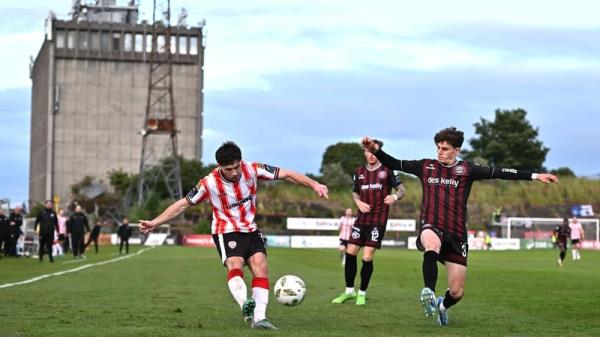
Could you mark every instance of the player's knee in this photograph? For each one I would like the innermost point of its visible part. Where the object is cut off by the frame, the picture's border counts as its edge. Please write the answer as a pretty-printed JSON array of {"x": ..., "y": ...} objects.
[{"x": 457, "y": 293}]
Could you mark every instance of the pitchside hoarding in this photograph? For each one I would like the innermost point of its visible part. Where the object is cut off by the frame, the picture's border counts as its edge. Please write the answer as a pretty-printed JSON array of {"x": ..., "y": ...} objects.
[{"x": 331, "y": 224}]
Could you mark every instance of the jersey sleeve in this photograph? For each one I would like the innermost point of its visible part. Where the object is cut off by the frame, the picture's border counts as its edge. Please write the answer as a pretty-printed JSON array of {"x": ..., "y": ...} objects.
[
  {"x": 266, "y": 172},
  {"x": 394, "y": 179},
  {"x": 355, "y": 185},
  {"x": 479, "y": 172},
  {"x": 408, "y": 166},
  {"x": 198, "y": 194}
]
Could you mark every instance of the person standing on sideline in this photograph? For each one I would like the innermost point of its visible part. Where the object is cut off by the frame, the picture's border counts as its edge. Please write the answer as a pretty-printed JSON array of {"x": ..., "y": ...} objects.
[
  {"x": 577, "y": 235},
  {"x": 15, "y": 221},
  {"x": 77, "y": 226},
  {"x": 562, "y": 234},
  {"x": 372, "y": 195},
  {"x": 446, "y": 183},
  {"x": 3, "y": 232},
  {"x": 124, "y": 232},
  {"x": 46, "y": 223},
  {"x": 94, "y": 236},
  {"x": 62, "y": 230},
  {"x": 231, "y": 191},
  {"x": 346, "y": 223}
]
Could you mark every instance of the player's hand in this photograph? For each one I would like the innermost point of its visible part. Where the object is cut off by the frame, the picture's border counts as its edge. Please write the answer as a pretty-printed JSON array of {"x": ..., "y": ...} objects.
[
  {"x": 363, "y": 206},
  {"x": 147, "y": 226},
  {"x": 390, "y": 199},
  {"x": 547, "y": 178},
  {"x": 321, "y": 190},
  {"x": 369, "y": 144}
]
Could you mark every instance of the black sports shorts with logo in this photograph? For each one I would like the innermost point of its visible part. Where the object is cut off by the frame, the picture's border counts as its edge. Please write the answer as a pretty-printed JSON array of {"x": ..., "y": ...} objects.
[
  {"x": 239, "y": 244},
  {"x": 367, "y": 235},
  {"x": 452, "y": 250}
]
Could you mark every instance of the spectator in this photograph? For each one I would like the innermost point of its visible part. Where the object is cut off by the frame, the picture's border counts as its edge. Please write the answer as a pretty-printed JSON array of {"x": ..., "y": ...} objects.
[
  {"x": 45, "y": 225},
  {"x": 94, "y": 236},
  {"x": 77, "y": 226},
  {"x": 15, "y": 222},
  {"x": 124, "y": 233},
  {"x": 62, "y": 230}
]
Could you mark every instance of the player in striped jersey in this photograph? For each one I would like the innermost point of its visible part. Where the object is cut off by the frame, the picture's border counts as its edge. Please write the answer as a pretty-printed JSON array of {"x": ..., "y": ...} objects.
[
  {"x": 446, "y": 183},
  {"x": 373, "y": 184},
  {"x": 346, "y": 223},
  {"x": 231, "y": 191}
]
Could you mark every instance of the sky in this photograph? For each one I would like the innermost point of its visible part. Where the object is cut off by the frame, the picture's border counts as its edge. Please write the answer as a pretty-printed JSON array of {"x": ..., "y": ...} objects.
[{"x": 285, "y": 79}]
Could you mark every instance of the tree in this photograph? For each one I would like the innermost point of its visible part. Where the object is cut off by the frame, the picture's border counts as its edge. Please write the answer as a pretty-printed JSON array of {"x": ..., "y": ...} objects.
[
  {"x": 563, "y": 172},
  {"x": 508, "y": 141},
  {"x": 348, "y": 155},
  {"x": 334, "y": 176}
]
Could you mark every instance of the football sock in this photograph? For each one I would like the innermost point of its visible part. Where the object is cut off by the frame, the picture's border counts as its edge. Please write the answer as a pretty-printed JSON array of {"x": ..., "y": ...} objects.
[
  {"x": 562, "y": 255},
  {"x": 260, "y": 294},
  {"x": 237, "y": 286},
  {"x": 349, "y": 290},
  {"x": 430, "y": 270},
  {"x": 574, "y": 253},
  {"x": 448, "y": 301},
  {"x": 365, "y": 274},
  {"x": 350, "y": 270},
  {"x": 362, "y": 293}
]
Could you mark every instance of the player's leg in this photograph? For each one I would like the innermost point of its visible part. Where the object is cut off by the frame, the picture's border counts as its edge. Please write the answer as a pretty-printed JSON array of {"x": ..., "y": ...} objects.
[
  {"x": 563, "y": 253},
  {"x": 366, "y": 271},
  {"x": 350, "y": 270},
  {"x": 342, "y": 250},
  {"x": 457, "y": 274},
  {"x": 430, "y": 242},
  {"x": 578, "y": 250},
  {"x": 260, "y": 291}
]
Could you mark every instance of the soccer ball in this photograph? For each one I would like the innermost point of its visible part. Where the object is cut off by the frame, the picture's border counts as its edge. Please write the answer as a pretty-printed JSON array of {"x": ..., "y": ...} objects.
[{"x": 289, "y": 290}]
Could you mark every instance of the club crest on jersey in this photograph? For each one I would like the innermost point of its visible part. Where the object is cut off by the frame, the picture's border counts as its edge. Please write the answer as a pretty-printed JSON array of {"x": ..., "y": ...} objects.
[
  {"x": 232, "y": 244},
  {"x": 459, "y": 170},
  {"x": 382, "y": 175},
  {"x": 430, "y": 167},
  {"x": 361, "y": 177}
]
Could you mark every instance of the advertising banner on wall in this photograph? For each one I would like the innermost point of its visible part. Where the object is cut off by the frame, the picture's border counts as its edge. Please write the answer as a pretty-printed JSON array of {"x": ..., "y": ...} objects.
[
  {"x": 314, "y": 241},
  {"x": 278, "y": 241},
  {"x": 198, "y": 240},
  {"x": 331, "y": 224}
]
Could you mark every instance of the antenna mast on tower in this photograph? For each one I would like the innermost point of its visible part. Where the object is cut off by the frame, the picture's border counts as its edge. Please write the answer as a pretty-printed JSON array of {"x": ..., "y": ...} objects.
[{"x": 159, "y": 162}]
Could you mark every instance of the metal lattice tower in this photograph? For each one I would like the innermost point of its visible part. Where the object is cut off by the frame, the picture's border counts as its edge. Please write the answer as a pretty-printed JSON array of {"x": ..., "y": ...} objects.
[{"x": 159, "y": 162}]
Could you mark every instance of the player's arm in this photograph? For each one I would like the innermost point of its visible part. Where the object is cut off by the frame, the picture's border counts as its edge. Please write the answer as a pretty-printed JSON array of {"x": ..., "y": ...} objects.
[
  {"x": 408, "y": 166},
  {"x": 171, "y": 212},
  {"x": 362, "y": 206},
  {"x": 485, "y": 172},
  {"x": 301, "y": 179},
  {"x": 392, "y": 198}
]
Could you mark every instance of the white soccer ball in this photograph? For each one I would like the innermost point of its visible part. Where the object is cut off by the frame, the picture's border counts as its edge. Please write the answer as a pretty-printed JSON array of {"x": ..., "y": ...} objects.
[{"x": 289, "y": 290}]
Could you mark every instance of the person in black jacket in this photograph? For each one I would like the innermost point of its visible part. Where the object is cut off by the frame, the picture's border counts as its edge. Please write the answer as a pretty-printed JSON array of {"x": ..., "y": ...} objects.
[
  {"x": 15, "y": 221},
  {"x": 124, "y": 232},
  {"x": 94, "y": 236},
  {"x": 3, "y": 231},
  {"x": 45, "y": 225},
  {"x": 77, "y": 226}
]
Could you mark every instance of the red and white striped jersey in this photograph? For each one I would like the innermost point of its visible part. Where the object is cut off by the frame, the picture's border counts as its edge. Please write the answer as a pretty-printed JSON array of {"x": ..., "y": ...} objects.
[
  {"x": 346, "y": 223},
  {"x": 233, "y": 204}
]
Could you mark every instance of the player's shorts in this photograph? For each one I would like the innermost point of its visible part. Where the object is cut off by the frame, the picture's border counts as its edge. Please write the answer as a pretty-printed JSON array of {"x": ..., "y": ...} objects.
[
  {"x": 367, "y": 235},
  {"x": 452, "y": 249},
  {"x": 562, "y": 244},
  {"x": 574, "y": 241},
  {"x": 343, "y": 242},
  {"x": 239, "y": 244}
]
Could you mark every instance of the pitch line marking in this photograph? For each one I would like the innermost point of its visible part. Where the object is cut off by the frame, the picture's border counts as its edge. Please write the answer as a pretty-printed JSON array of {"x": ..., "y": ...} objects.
[{"x": 59, "y": 273}]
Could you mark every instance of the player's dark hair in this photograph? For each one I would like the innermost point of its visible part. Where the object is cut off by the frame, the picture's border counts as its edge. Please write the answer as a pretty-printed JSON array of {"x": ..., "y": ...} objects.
[
  {"x": 452, "y": 135},
  {"x": 228, "y": 153},
  {"x": 378, "y": 142}
]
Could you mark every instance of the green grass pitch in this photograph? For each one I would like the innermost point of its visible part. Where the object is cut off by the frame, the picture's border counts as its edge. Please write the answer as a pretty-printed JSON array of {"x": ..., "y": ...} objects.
[{"x": 177, "y": 291}]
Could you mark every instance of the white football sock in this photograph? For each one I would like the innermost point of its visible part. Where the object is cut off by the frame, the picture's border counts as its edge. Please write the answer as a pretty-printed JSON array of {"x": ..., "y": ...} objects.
[
  {"x": 362, "y": 292},
  {"x": 349, "y": 290},
  {"x": 238, "y": 289},
  {"x": 261, "y": 297}
]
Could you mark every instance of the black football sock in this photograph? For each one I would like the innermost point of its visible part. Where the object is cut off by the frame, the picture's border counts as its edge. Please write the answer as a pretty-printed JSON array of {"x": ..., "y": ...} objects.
[
  {"x": 430, "y": 270},
  {"x": 562, "y": 255},
  {"x": 365, "y": 274},
  {"x": 449, "y": 300},
  {"x": 350, "y": 270}
]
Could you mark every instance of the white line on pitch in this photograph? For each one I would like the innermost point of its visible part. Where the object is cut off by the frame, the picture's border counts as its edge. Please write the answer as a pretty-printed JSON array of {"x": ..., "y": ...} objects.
[{"x": 41, "y": 277}]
